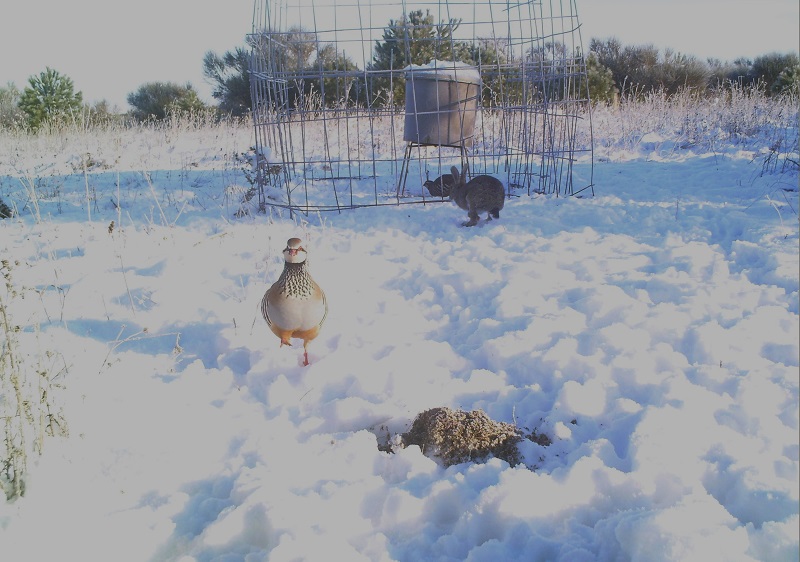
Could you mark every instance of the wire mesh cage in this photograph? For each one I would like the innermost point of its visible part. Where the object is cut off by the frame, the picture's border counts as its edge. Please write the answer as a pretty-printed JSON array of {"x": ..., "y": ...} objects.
[{"x": 361, "y": 103}]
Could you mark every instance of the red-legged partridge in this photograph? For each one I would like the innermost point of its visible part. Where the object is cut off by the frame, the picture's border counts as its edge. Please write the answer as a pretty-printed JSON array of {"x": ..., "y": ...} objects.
[{"x": 295, "y": 306}]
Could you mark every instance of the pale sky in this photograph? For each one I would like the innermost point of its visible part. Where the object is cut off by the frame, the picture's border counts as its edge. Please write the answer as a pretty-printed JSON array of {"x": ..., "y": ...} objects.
[{"x": 110, "y": 48}]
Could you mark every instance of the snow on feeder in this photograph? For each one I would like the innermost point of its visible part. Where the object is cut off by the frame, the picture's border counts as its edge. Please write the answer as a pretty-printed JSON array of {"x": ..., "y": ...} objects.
[{"x": 441, "y": 104}]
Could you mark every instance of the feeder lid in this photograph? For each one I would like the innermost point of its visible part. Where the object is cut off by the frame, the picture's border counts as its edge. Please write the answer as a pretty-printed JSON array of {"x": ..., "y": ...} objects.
[{"x": 444, "y": 70}]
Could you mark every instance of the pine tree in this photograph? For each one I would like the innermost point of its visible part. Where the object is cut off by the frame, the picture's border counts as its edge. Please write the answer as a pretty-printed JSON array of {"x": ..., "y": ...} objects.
[
  {"x": 231, "y": 79},
  {"x": 338, "y": 84},
  {"x": 308, "y": 73},
  {"x": 600, "y": 81},
  {"x": 49, "y": 96},
  {"x": 413, "y": 39}
]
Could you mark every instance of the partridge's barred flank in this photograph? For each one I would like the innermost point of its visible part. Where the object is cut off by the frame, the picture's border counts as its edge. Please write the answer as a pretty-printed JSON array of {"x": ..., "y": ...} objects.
[{"x": 295, "y": 306}]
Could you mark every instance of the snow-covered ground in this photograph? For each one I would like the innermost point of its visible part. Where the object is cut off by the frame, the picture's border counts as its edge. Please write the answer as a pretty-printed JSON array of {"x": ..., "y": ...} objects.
[{"x": 651, "y": 332}]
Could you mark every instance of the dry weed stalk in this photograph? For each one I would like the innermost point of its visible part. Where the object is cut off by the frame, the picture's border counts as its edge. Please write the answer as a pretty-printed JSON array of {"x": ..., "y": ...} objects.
[{"x": 27, "y": 404}]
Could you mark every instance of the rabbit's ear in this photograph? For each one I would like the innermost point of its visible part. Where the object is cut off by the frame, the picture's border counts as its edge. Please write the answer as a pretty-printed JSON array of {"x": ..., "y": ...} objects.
[{"x": 454, "y": 171}]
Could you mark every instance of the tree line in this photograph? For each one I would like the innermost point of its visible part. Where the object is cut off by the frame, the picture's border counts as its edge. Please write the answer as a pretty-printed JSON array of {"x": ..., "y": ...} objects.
[{"x": 318, "y": 74}]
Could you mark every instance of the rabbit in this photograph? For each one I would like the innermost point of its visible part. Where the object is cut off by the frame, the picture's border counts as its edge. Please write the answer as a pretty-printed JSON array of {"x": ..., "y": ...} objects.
[
  {"x": 481, "y": 194},
  {"x": 441, "y": 186}
]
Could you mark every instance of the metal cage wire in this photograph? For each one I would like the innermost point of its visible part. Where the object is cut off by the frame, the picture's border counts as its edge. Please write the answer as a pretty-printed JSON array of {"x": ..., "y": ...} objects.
[{"x": 341, "y": 90}]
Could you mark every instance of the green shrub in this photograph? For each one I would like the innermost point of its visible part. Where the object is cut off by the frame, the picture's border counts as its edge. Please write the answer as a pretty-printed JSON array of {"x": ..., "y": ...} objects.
[
  {"x": 156, "y": 100},
  {"x": 787, "y": 81},
  {"x": 775, "y": 70},
  {"x": 601, "y": 81},
  {"x": 49, "y": 96}
]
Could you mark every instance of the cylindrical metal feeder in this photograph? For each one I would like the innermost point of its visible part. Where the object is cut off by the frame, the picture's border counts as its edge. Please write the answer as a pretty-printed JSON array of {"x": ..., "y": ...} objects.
[{"x": 441, "y": 104}]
